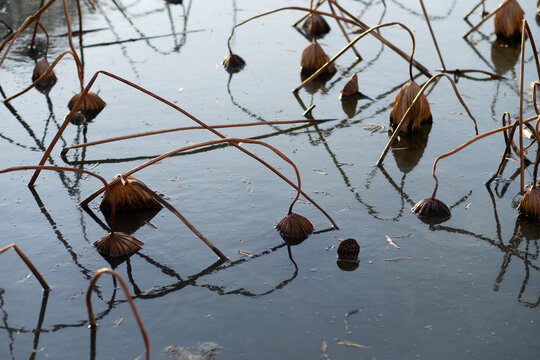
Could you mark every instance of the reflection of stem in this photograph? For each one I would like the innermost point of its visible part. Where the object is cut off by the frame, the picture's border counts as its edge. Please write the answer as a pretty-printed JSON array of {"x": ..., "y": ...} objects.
[
  {"x": 70, "y": 39},
  {"x": 344, "y": 32},
  {"x": 41, "y": 317},
  {"x": 350, "y": 44},
  {"x": 28, "y": 263},
  {"x": 128, "y": 296},
  {"x": 520, "y": 119},
  {"x": 36, "y": 26}
]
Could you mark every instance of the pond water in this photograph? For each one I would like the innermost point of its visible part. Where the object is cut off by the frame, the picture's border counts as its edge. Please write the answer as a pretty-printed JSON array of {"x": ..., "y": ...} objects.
[{"x": 468, "y": 288}]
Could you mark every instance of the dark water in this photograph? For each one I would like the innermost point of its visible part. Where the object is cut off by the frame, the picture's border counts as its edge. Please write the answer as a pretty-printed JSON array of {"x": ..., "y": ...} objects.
[{"x": 468, "y": 288}]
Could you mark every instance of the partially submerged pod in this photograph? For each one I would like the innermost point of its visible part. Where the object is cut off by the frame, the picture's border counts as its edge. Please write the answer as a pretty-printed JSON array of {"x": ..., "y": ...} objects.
[
  {"x": 316, "y": 26},
  {"x": 313, "y": 57},
  {"x": 127, "y": 195},
  {"x": 351, "y": 87},
  {"x": 507, "y": 21},
  {"x": 294, "y": 227},
  {"x": 41, "y": 68},
  {"x": 419, "y": 113},
  {"x": 91, "y": 104},
  {"x": 529, "y": 205},
  {"x": 233, "y": 63},
  {"x": 432, "y": 209},
  {"x": 118, "y": 244}
]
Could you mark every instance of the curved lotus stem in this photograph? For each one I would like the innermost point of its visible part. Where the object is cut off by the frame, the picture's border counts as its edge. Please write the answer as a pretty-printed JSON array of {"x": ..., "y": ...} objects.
[
  {"x": 79, "y": 100},
  {"x": 91, "y": 317},
  {"x": 474, "y": 28},
  {"x": 354, "y": 41},
  {"x": 473, "y": 140},
  {"x": 402, "y": 121},
  {"x": 70, "y": 38},
  {"x": 207, "y": 143},
  {"x": 62, "y": 168},
  {"x": 520, "y": 119},
  {"x": 308, "y": 10},
  {"x": 43, "y": 76},
  {"x": 28, "y": 263},
  {"x": 65, "y": 149}
]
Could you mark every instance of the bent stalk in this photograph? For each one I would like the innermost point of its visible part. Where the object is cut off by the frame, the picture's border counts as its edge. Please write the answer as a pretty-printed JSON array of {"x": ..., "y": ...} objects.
[{"x": 28, "y": 263}]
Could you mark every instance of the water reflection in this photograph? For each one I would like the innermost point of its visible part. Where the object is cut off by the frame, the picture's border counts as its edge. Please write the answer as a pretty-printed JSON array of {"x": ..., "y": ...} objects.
[
  {"x": 409, "y": 149},
  {"x": 522, "y": 246},
  {"x": 504, "y": 56}
]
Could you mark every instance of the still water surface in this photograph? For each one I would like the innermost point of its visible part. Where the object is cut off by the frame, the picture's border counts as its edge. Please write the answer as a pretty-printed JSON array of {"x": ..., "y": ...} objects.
[{"x": 468, "y": 288}]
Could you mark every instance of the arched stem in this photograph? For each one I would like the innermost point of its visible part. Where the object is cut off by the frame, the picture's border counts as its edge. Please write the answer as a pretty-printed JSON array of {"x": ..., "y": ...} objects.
[
  {"x": 354, "y": 41},
  {"x": 499, "y": 8},
  {"x": 208, "y": 143},
  {"x": 168, "y": 103},
  {"x": 473, "y": 140},
  {"x": 91, "y": 317},
  {"x": 28, "y": 263},
  {"x": 426, "y": 16},
  {"x": 402, "y": 121},
  {"x": 307, "y": 10}
]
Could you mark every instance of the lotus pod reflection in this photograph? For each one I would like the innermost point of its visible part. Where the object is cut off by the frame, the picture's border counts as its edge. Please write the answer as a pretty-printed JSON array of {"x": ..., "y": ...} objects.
[
  {"x": 294, "y": 227},
  {"x": 128, "y": 194},
  {"x": 418, "y": 114},
  {"x": 48, "y": 82},
  {"x": 91, "y": 104},
  {"x": 348, "y": 250},
  {"x": 316, "y": 26},
  {"x": 313, "y": 57},
  {"x": 118, "y": 244},
  {"x": 233, "y": 63},
  {"x": 350, "y": 88},
  {"x": 530, "y": 203},
  {"x": 432, "y": 209},
  {"x": 508, "y": 20}
]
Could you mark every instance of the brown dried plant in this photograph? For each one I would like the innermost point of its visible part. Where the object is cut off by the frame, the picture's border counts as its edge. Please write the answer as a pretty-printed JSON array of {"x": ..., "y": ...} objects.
[
  {"x": 168, "y": 103},
  {"x": 508, "y": 20},
  {"x": 314, "y": 57},
  {"x": 351, "y": 87},
  {"x": 419, "y": 113},
  {"x": 91, "y": 318}
]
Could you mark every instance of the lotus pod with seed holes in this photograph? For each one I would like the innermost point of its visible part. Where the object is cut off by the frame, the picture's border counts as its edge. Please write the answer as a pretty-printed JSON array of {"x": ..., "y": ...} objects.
[
  {"x": 294, "y": 227},
  {"x": 48, "y": 82},
  {"x": 432, "y": 209},
  {"x": 233, "y": 63},
  {"x": 118, "y": 244},
  {"x": 419, "y": 113},
  {"x": 315, "y": 25},
  {"x": 313, "y": 57},
  {"x": 128, "y": 194},
  {"x": 508, "y": 20},
  {"x": 529, "y": 204},
  {"x": 350, "y": 88},
  {"x": 348, "y": 250},
  {"x": 91, "y": 104}
]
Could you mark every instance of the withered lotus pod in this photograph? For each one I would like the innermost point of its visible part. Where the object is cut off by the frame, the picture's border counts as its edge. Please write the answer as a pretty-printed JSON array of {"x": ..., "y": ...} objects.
[
  {"x": 315, "y": 25},
  {"x": 233, "y": 63},
  {"x": 128, "y": 194},
  {"x": 432, "y": 209},
  {"x": 313, "y": 57},
  {"x": 508, "y": 20},
  {"x": 48, "y": 82},
  {"x": 419, "y": 113},
  {"x": 350, "y": 88},
  {"x": 529, "y": 204},
  {"x": 348, "y": 250},
  {"x": 294, "y": 227},
  {"x": 91, "y": 105},
  {"x": 117, "y": 244},
  {"x": 78, "y": 118}
]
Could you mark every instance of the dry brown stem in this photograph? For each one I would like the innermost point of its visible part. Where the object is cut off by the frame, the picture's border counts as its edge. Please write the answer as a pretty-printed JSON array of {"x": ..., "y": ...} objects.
[{"x": 28, "y": 263}]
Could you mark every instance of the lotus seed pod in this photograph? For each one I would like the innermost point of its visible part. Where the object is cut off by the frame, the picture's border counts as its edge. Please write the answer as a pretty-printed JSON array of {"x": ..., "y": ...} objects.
[
  {"x": 348, "y": 250},
  {"x": 313, "y": 57},
  {"x": 128, "y": 194},
  {"x": 432, "y": 209},
  {"x": 294, "y": 227},
  {"x": 419, "y": 113},
  {"x": 507, "y": 21},
  {"x": 316, "y": 26},
  {"x": 90, "y": 106},
  {"x": 529, "y": 204},
  {"x": 233, "y": 63},
  {"x": 118, "y": 244}
]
